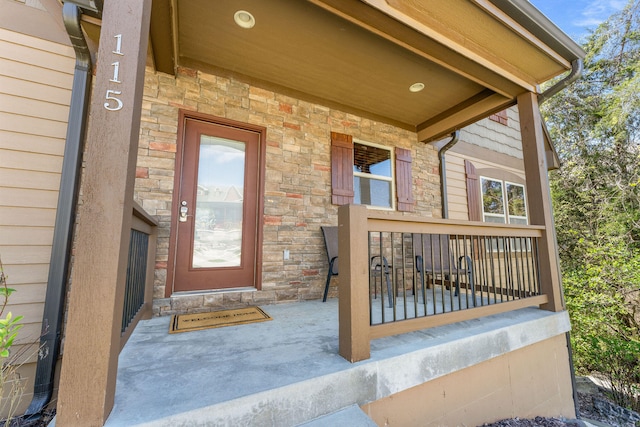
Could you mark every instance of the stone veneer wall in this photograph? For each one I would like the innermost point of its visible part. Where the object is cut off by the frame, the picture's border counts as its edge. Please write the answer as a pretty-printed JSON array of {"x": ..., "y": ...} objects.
[{"x": 298, "y": 178}]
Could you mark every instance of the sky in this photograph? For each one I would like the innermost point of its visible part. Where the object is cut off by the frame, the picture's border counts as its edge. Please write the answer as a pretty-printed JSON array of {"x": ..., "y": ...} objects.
[{"x": 576, "y": 17}]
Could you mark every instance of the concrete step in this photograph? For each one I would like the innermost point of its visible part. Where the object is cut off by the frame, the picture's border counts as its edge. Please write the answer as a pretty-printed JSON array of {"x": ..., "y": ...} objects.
[{"x": 351, "y": 416}]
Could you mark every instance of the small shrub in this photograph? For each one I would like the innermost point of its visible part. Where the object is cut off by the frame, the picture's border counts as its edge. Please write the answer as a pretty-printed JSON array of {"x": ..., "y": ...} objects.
[
  {"x": 11, "y": 385},
  {"x": 617, "y": 360}
]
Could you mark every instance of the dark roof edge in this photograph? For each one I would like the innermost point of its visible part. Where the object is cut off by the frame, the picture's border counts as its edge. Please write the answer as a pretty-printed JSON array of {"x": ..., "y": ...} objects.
[{"x": 525, "y": 14}]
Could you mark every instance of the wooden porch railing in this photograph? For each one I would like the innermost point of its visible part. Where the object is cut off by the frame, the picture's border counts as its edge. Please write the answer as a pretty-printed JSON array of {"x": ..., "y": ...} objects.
[
  {"x": 400, "y": 274},
  {"x": 140, "y": 272}
]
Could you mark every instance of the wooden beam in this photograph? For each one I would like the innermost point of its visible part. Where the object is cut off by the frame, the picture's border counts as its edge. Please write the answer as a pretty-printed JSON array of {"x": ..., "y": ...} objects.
[
  {"x": 353, "y": 287},
  {"x": 523, "y": 32},
  {"x": 466, "y": 112},
  {"x": 411, "y": 325},
  {"x": 92, "y": 340},
  {"x": 539, "y": 198},
  {"x": 175, "y": 34},
  {"x": 162, "y": 36},
  {"x": 444, "y": 226}
]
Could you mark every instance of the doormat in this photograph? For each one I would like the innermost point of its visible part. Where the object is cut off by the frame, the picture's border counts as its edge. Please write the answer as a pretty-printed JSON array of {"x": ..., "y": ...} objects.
[{"x": 216, "y": 319}]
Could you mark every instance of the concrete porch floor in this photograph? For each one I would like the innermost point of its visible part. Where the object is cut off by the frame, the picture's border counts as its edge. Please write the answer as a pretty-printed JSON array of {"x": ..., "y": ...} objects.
[{"x": 287, "y": 371}]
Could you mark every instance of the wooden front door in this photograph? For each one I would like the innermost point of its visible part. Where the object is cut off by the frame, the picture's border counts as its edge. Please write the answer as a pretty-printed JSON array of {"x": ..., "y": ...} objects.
[{"x": 216, "y": 230}]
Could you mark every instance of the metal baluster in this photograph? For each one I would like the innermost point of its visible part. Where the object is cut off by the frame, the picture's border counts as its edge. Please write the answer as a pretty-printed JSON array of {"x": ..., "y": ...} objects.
[
  {"x": 493, "y": 273},
  {"x": 372, "y": 285}
]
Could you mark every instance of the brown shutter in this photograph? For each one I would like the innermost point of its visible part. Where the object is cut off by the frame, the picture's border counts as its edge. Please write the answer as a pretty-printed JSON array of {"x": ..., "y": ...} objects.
[
  {"x": 473, "y": 192},
  {"x": 404, "y": 183},
  {"x": 500, "y": 117},
  {"x": 341, "y": 169}
]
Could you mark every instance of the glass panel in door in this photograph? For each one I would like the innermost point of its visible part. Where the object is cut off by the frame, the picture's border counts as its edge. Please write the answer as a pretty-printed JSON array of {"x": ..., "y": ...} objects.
[{"x": 219, "y": 203}]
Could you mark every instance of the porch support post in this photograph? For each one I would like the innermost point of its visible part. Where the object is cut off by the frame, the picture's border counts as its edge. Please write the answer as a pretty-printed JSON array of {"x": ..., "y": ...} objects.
[
  {"x": 94, "y": 318},
  {"x": 353, "y": 287},
  {"x": 539, "y": 198}
]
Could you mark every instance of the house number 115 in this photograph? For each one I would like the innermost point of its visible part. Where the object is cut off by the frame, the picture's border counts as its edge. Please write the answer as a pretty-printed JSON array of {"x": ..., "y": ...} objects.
[{"x": 113, "y": 102}]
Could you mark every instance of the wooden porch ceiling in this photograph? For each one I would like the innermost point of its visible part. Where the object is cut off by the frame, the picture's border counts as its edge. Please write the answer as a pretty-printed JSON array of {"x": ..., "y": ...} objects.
[{"x": 362, "y": 56}]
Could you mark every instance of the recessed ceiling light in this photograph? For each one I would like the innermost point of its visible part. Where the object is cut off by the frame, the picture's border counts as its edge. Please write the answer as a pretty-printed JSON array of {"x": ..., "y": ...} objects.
[
  {"x": 244, "y": 19},
  {"x": 416, "y": 87}
]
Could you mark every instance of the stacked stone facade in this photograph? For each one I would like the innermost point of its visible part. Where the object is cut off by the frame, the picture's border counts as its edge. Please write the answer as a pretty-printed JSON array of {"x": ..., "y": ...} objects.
[{"x": 297, "y": 199}]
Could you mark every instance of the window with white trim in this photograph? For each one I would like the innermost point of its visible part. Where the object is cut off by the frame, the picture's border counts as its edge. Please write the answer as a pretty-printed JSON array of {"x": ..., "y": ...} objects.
[
  {"x": 373, "y": 175},
  {"x": 370, "y": 174},
  {"x": 516, "y": 204},
  {"x": 503, "y": 202}
]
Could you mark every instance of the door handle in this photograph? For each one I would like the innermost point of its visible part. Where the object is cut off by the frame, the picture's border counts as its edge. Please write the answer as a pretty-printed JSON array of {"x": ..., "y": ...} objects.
[{"x": 183, "y": 211}]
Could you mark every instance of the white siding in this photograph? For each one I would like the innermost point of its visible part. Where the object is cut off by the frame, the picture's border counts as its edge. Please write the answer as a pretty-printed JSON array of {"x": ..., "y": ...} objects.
[
  {"x": 488, "y": 135},
  {"x": 495, "y": 136},
  {"x": 35, "y": 88}
]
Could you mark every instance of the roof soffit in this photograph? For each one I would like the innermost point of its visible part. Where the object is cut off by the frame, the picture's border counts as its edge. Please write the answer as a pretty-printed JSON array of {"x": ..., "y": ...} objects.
[
  {"x": 481, "y": 31},
  {"x": 359, "y": 57}
]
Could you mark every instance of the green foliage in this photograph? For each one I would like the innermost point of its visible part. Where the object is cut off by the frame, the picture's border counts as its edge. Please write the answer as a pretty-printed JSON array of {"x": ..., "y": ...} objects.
[
  {"x": 4, "y": 291},
  {"x": 11, "y": 384},
  {"x": 618, "y": 359},
  {"x": 595, "y": 125},
  {"x": 9, "y": 325},
  {"x": 9, "y": 328}
]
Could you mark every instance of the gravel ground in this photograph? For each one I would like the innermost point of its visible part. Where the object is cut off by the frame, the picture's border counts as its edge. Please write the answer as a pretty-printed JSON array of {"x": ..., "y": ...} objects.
[
  {"x": 44, "y": 421},
  {"x": 537, "y": 421},
  {"x": 585, "y": 406}
]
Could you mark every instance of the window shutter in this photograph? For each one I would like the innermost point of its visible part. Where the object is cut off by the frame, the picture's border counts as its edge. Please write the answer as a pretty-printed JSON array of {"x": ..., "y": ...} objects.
[
  {"x": 404, "y": 182},
  {"x": 341, "y": 169},
  {"x": 473, "y": 192},
  {"x": 500, "y": 117}
]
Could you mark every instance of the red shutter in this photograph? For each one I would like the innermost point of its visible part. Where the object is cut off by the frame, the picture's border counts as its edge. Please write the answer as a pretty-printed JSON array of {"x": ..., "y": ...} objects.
[
  {"x": 500, "y": 117},
  {"x": 341, "y": 169},
  {"x": 404, "y": 182},
  {"x": 473, "y": 192}
]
